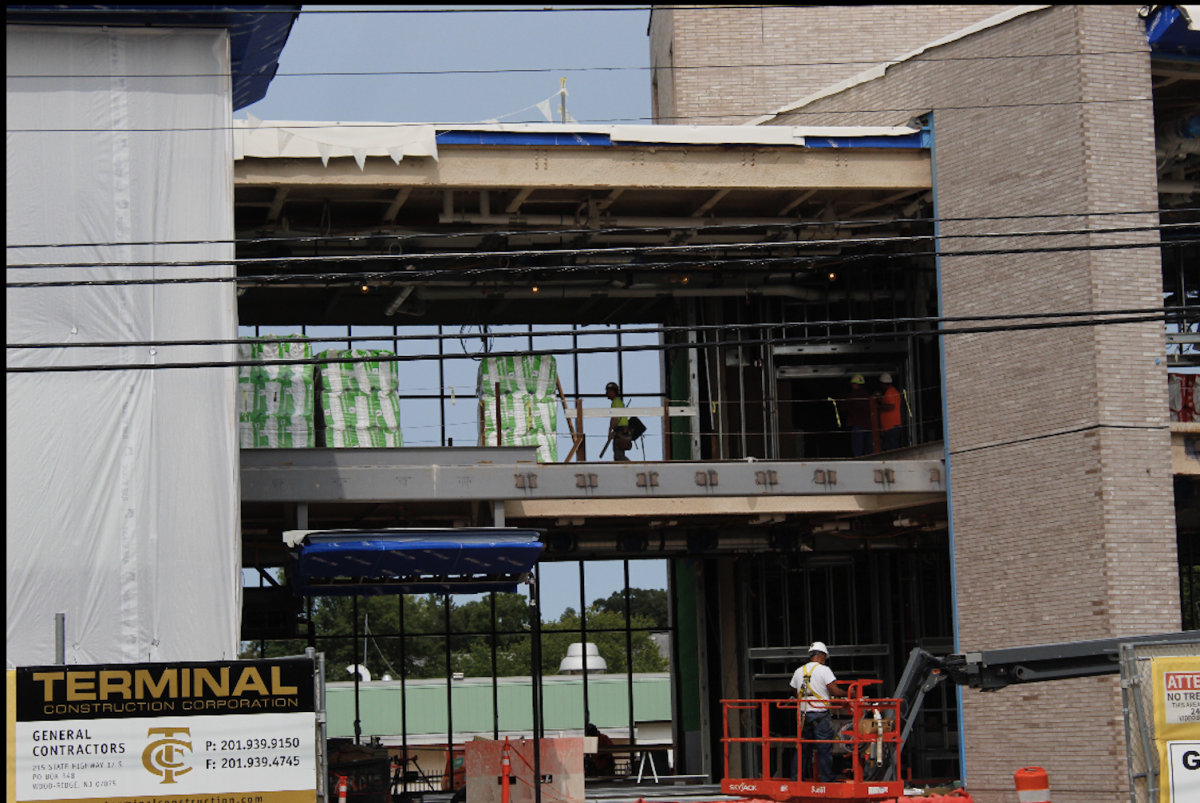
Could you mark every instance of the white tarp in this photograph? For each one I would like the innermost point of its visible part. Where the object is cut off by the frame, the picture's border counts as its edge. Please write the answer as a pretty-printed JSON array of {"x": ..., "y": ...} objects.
[
  {"x": 261, "y": 139},
  {"x": 123, "y": 494}
]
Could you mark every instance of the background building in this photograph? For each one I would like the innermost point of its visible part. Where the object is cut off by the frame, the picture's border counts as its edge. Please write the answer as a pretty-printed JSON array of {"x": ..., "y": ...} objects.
[
  {"x": 1058, "y": 445},
  {"x": 1041, "y": 494}
]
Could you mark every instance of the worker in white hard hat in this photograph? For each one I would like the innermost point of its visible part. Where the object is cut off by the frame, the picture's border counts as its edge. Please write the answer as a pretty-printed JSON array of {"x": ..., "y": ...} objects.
[
  {"x": 814, "y": 687},
  {"x": 889, "y": 413}
]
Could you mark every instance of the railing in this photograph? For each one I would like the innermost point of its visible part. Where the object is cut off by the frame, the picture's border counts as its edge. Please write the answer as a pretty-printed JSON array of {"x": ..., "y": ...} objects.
[{"x": 869, "y": 734}]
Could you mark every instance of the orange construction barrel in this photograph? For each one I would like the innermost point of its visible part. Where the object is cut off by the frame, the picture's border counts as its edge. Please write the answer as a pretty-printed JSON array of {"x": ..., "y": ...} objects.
[{"x": 1033, "y": 785}]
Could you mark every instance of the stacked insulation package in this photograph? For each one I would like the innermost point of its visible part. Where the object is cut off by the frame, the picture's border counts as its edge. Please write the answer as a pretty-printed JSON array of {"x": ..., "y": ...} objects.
[
  {"x": 275, "y": 402},
  {"x": 359, "y": 400},
  {"x": 528, "y": 407}
]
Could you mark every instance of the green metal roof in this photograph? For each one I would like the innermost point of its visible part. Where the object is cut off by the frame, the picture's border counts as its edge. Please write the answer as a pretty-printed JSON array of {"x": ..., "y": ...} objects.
[{"x": 381, "y": 710}]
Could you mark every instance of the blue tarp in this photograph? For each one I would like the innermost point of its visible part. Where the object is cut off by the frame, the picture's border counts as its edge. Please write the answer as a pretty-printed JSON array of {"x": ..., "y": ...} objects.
[
  {"x": 257, "y": 34},
  {"x": 346, "y": 563},
  {"x": 541, "y": 139},
  {"x": 1168, "y": 32}
]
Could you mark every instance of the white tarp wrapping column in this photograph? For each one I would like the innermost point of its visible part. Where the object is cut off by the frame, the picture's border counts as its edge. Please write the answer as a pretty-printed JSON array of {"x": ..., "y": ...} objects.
[{"x": 123, "y": 496}]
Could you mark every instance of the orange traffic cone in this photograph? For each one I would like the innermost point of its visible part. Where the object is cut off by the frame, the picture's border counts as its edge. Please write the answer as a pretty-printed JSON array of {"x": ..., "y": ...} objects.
[{"x": 1033, "y": 785}]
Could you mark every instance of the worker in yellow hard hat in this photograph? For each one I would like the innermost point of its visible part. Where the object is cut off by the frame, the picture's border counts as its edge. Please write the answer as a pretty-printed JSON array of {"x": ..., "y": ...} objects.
[
  {"x": 857, "y": 412},
  {"x": 618, "y": 426}
]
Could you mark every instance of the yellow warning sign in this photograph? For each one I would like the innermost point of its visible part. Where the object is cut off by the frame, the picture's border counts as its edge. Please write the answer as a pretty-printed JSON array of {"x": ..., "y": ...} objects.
[{"x": 1177, "y": 726}]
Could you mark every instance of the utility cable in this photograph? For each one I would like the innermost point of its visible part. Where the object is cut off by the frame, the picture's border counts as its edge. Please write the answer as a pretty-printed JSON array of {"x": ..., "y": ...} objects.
[
  {"x": 155, "y": 11},
  {"x": 408, "y": 277},
  {"x": 1175, "y": 311},
  {"x": 1161, "y": 316},
  {"x": 704, "y": 224},
  {"x": 866, "y": 63},
  {"x": 616, "y": 249},
  {"x": 658, "y": 120}
]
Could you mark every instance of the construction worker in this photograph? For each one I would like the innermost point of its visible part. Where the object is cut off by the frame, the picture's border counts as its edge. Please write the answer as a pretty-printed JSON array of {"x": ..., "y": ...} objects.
[
  {"x": 889, "y": 414},
  {"x": 618, "y": 426},
  {"x": 857, "y": 408},
  {"x": 813, "y": 683},
  {"x": 601, "y": 762}
]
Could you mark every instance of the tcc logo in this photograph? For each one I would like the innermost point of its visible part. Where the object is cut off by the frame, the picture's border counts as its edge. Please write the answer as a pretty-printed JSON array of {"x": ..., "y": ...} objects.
[{"x": 165, "y": 755}]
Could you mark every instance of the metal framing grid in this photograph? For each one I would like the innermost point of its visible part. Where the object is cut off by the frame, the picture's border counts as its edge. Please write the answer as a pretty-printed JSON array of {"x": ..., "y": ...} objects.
[
  {"x": 535, "y": 632},
  {"x": 452, "y": 399},
  {"x": 787, "y": 602}
]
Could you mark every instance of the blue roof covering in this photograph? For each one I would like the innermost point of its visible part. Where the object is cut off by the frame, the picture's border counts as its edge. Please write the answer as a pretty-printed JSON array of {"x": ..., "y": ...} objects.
[
  {"x": 257, "y": 34},
  {"x": 350, "y": 562},
  {"x": 1168, "y": 32},
  {"x": 919, "y": 139},
  {"x": 519, "y": 138}
]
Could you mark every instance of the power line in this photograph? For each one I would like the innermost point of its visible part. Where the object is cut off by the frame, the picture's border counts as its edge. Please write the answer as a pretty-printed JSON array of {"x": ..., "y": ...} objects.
[
  {"x": 1061, "y": 324},
  {"x": 556, "y": 70},
  {"x": 674, "y": 119},
  {"x": 701, "y": 223},
  {"x": 156, "y": 11},
  {"x": 605, "y": 250},
  {"x": 408, "y": 276},
  {"x": 625, "y": 330}
]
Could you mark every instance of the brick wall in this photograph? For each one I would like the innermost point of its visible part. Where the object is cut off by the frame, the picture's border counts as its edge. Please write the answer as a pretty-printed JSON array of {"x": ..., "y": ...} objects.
[
  {"x": 734, "y": 64},
  {"x": 1060, "y": 461}
]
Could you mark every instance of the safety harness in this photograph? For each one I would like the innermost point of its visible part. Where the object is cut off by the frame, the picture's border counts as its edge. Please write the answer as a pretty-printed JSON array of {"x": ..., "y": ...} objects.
[{"x": 806, "y": 689}]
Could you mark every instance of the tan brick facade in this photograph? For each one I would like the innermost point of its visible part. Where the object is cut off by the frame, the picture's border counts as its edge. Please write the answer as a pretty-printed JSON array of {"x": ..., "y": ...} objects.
[
  {"x": 1062, "y": 495},
  {"x": 733, "y": 64}
]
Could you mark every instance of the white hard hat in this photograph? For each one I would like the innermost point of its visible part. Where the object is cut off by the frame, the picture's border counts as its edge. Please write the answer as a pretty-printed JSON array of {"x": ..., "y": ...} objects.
[
  {"x": 885, "y": 378},
  {"x": 818, "y": 646}
]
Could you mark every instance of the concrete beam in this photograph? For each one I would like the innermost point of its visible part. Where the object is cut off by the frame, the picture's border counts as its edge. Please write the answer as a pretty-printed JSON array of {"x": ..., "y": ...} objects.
[
  {"x": 597, "y": 168},
  {"x": 515, "y": 204},
  {"x": 710, "y": 203},
  {"x": 394, "y": 207},
  {"x": 387, "y": 475},
  {"x": 273, "y": 213},
  {"x": 726, "y": 506}
]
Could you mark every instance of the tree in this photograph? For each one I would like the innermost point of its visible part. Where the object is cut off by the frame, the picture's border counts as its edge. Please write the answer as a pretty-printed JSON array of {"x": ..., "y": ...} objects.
[
  {"x": 424, "y": 650},
  {"x": 606, "y": 630},
  {"x": 648, "y": 603}
]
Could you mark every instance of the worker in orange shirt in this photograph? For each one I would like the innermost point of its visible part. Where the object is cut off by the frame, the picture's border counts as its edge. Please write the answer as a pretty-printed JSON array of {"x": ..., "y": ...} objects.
[{"x": 889, "y": 414}]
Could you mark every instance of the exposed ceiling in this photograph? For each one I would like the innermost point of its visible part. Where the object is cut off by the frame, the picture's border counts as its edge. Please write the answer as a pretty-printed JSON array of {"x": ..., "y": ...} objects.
[{"x": 472, "y": 234}]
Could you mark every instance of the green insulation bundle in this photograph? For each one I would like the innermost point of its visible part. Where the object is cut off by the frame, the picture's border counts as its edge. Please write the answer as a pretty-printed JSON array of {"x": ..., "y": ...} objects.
[
  {"x": 275, "y": 402},
  {"x": 358, "y": 377},
  {"x": 535, "y": 375},
  {"x": 528, "y": 407},
  {"x": 359, "y": 402}
]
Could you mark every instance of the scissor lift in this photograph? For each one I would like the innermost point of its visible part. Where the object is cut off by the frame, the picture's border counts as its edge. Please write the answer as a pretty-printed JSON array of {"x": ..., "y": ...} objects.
[{"x": 872, "y": 739}]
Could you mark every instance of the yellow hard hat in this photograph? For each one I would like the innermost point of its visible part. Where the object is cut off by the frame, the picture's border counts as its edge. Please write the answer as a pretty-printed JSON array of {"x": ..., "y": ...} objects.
[{"x": 857, "y": 379}]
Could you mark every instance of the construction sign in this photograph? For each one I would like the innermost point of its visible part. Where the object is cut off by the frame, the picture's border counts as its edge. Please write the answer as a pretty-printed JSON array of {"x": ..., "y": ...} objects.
[
  {"x": 156, "y": 733},
  {"x": 1177, "y": 726}
]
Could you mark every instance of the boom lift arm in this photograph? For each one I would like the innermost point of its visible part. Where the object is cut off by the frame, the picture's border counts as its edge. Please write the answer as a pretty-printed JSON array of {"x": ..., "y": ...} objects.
[{"x": 991, "y": 670}]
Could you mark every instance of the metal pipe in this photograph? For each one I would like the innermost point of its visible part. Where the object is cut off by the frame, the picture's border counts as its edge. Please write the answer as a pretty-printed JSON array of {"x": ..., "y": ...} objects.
[
  {"x": 495, "y": 673},
  {"x": 1178, "y": 187},
  {"x": 587, "y": 711},
  {"x": 404, "y": 693},
  {"x": 535, "y": 653},
  {"x": 357, "y": 673},
  {"x": 643, "y": 222},
  {"x": 523, "y": 293},
  {"x": 449, "y": 693},
  {"x": 60, "y": 639},
  {"x": 629, "y": 660}
]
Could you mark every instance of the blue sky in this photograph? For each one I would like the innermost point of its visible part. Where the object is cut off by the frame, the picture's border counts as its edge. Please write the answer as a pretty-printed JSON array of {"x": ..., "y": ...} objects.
[
  {"x": 552, "y": 44},
  {"x": 558, "y": 41}
]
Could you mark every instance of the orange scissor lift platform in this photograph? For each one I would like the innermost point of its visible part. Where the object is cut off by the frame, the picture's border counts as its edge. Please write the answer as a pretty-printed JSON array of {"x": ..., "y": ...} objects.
[{"x": 872, "y": 739}]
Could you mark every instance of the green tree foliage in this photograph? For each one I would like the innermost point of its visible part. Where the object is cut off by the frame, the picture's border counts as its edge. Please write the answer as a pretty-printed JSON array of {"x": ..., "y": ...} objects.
[
  {"x": 424, "y": 648},
  {"x": 648, "y": 603}
]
